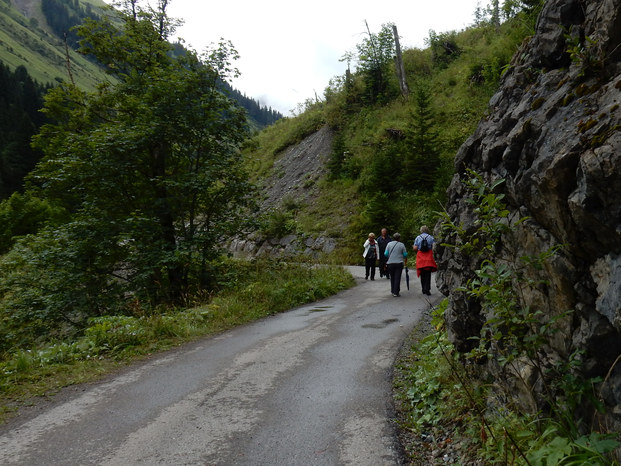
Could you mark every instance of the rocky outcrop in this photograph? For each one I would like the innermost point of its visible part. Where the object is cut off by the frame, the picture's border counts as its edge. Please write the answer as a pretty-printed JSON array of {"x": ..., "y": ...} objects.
[
  {"x": 553, "y": 133},
  {"x": 297, "y": 170},
  {"x": 293, "y": 181},
  {"x": 288, "y": 246}
]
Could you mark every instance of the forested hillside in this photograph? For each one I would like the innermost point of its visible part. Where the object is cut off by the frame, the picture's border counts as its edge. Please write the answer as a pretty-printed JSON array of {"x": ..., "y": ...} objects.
[{"x": 21, "y": 98}]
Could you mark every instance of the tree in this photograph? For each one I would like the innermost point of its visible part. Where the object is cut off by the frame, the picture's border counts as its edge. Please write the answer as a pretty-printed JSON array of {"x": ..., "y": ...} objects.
[
  {"x": 21, "y": 98},
  {"x": 151, "y": 163},
  {"x": 375, "y": 55},
  {"x": 423, "y": 155},
  {"x": 444, "y": 48}
]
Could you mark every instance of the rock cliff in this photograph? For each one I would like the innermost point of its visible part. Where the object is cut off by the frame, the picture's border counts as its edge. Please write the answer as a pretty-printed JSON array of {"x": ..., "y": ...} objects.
[
  {"x": 294, "y": 177},
  {"x": 553, "y": 133}
]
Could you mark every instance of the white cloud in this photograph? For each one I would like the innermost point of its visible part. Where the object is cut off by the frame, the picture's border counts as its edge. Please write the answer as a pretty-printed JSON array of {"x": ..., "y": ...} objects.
[{"x": 290, "y": 50}]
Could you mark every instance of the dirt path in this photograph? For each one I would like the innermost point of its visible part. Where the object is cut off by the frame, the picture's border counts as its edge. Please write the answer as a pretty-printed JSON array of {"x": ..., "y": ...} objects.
[{"x": 311, "y": 386}]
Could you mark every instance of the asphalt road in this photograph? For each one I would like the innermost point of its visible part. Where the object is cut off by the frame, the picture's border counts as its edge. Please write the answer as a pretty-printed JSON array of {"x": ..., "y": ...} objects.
[{"x": 308, "y": 387}]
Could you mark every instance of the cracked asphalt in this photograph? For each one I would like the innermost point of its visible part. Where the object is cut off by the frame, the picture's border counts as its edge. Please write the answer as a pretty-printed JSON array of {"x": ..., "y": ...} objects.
[{"x": 311, "y": 386}]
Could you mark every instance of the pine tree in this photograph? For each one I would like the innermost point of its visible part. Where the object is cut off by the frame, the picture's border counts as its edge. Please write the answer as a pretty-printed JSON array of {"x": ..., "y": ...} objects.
[{"x": 423, "y": 155}]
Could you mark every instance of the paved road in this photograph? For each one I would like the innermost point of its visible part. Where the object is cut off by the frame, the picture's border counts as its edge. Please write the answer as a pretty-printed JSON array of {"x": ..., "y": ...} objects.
[{"x": 308, "y": 387}]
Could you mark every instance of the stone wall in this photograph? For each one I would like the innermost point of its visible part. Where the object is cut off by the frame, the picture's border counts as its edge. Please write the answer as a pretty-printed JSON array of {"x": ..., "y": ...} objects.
[{"x": 553, "y": 133}]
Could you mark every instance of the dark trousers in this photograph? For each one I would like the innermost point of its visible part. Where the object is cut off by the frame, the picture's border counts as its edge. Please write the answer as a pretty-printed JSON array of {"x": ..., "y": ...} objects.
[
  {"x": 382, "y": 265},
  {"x": 369, "y": 266},
  {"x": 425, "y": 281},
  {"x": 395, "y": 271}
]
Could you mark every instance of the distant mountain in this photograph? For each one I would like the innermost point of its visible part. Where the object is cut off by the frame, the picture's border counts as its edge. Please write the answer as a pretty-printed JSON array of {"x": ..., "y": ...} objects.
[
  {"x": 27, "y": 39},
  {"x": 32, "y": 34}
]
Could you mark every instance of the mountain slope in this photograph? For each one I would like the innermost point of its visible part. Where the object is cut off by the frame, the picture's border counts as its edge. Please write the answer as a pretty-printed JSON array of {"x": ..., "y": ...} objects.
[
  {"x": 28, "y": 40},
  {"x": 25, "y": 41}
]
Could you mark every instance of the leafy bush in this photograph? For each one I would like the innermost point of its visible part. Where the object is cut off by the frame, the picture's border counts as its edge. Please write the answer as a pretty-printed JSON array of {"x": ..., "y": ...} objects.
[
  {"x": 278, "y": 223},
  {"x": 23, "y": 214}
]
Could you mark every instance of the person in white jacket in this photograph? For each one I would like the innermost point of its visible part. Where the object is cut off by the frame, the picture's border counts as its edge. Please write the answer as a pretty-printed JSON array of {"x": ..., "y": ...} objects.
[{"x": 370, "y": 254}]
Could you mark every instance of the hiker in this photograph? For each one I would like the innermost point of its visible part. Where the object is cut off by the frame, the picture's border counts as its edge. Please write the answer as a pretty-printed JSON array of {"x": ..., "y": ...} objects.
[
  {"x": 370, "y": 254},
  {"x": 383, "y": 241},
  {"x": 425, "y": 264},
  {"x": 396, "y": 259}
]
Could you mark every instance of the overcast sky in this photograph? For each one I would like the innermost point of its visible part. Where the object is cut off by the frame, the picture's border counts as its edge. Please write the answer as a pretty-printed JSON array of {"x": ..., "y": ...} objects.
[{"x": 291, "y": 49}]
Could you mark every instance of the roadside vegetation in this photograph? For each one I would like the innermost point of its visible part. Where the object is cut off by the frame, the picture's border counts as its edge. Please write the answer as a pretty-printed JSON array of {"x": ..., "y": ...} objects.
[{"x": 244, "y": 291}]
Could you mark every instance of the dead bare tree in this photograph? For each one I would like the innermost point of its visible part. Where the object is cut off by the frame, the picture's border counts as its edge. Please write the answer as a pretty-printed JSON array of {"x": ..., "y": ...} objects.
[{"x": 405, "y": 90}]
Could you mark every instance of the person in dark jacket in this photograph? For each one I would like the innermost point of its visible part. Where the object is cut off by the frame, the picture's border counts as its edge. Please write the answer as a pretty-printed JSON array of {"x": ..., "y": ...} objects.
[{"x": 383, "y": 241}]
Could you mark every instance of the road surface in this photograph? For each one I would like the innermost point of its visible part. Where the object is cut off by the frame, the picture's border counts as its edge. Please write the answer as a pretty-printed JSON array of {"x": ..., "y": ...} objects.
[{"x": 311, "y": 386}]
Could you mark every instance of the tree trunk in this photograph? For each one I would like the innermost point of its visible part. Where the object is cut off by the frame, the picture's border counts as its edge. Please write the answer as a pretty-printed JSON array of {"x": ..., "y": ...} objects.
[
  {"x": 164, "y": 214},
  {"x": 405, "y": 91}
]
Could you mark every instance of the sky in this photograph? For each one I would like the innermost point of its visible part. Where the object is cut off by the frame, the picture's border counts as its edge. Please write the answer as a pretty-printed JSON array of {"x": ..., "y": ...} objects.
[{"x": 289, "y": 50}]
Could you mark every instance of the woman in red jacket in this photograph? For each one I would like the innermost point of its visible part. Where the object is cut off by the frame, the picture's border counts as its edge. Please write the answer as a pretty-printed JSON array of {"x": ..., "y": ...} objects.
[{"x": 425, "y": 264}]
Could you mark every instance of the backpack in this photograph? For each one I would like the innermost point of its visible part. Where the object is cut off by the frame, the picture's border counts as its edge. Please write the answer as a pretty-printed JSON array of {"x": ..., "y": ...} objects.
[{"x": 424, "y": 245}]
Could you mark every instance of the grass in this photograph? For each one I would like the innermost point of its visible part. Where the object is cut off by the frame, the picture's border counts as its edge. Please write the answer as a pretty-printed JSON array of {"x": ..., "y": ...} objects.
[
  {"x": 255, "y": 290},
  {"x": 42, "y": 54}
]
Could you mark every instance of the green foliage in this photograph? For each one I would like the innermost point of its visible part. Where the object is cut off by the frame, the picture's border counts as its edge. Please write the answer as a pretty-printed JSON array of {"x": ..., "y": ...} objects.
[
  {"x": 278, "y": 223},
  {"x": 22, "y": 214},
  {"x": 551, "y": 449},
  {"x": 151, "y": 163},
  {"x": 585, "y": 53},
  {"x": 375, "y": 55},
  {"x": 422, "y": 160},
  {"x": 430, "y": 387},
  {"x": 20, "y": 100},
  {"x": 444, "y": 48},
  {"x": 439, "y": 397},
  {"x": 52, "y": 282}
]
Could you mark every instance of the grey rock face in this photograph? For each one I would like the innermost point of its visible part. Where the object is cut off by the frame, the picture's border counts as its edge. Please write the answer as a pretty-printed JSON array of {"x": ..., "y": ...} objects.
[
  {"x": 295, "y": 173},
  {"x": 553, "y": 132}
]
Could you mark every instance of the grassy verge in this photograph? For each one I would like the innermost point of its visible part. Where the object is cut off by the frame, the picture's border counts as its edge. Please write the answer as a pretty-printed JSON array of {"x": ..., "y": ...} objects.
[{"x": 251, "y": 291}]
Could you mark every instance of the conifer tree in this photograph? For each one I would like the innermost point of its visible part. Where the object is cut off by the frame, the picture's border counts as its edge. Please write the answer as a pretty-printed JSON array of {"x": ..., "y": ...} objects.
[
  {"x": 422, "y": 155},
  {"x": 375, "y": 55}
]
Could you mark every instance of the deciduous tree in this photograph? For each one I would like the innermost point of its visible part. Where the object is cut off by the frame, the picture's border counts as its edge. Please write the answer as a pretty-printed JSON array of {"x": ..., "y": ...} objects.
[{"x": 154, "y": 158}]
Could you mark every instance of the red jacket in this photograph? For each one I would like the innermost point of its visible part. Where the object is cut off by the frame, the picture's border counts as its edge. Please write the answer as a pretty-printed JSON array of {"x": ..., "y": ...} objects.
[{"x": 425, "y": 261}]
